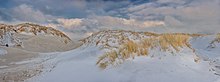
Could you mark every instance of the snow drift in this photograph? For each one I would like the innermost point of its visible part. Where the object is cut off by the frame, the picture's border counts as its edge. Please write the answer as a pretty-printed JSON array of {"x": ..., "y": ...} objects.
[{"x": 169, "y": 57}]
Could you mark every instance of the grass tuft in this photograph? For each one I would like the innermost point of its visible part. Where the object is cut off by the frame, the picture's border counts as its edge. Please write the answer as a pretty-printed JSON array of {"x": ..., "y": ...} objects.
[{"x": 130, "y": 49}]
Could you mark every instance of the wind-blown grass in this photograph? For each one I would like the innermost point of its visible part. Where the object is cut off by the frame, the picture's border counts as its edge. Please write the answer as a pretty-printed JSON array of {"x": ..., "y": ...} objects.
[{"x": 130, "y": 49}]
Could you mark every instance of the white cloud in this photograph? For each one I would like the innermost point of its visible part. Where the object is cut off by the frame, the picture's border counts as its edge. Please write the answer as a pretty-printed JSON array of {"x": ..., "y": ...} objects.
[
  {"x": 172, "y": 1},
  {"x": 69, "y": 23},
  {"x": 86, "y": 26},
  {"x": 170, "y": 21},
  {"x": 27, "y": 13},
  {"x": 107, "y": 22},
  {"x": 198, "y": 15}
]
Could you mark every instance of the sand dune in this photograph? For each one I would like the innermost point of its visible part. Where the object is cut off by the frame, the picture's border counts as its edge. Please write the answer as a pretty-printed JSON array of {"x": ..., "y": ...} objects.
[
  {"x": 31, "y": 47},
  {"x": 43, "y": 43}
]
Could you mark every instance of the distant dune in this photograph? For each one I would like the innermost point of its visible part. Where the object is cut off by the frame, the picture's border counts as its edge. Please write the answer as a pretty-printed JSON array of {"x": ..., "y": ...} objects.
[{"x": 25, "y": 42}]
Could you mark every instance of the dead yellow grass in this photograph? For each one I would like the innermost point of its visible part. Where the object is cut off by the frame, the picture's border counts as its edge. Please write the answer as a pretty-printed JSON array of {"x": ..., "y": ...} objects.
[
  {"x": 5, "y": 28},
  {"x": 34, "y": 28},
  {"x": 217, "y": 39},
  {"x": 176, "y": 41},
  {"x": 106, "y": 37},
  {"x": 165, "y": 42}
]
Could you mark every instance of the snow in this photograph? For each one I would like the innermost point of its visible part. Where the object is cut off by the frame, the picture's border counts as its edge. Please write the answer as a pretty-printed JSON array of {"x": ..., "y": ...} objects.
[
  {"x": 3, "y": 52},
  {"x": 202, "y": 44},
  {"x": 3, "y": 67},
  {"x": 211, "y": 54},
  {"x": 79, "y": 66},
  {"x": 8, "y": 39}
]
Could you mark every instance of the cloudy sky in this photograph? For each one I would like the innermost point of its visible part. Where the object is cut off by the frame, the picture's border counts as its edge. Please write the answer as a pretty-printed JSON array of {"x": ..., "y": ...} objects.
[{"x": 172, "y": 15}]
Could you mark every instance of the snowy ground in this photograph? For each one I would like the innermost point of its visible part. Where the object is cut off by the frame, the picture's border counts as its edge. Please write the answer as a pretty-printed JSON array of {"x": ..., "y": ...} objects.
[
  {"x": 3, "y": 51},
  {"x": 20, "y": 63},
  {"x": 79, "y": 65}
]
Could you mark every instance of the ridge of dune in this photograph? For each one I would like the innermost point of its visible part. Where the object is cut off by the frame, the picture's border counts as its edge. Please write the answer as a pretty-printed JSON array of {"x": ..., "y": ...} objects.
[
  {"x": 21, "y": 48},
  {"x": 7, "y": 33}
]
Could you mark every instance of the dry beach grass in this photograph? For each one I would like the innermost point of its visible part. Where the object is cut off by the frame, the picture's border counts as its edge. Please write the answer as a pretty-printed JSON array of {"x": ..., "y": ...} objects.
[{"x": 130, "y": 49}]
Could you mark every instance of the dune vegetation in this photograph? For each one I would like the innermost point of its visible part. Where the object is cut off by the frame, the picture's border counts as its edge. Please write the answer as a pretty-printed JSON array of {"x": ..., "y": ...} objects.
[
  {"x": 217, "y": 39},
  {"x": 164, "y": 42},
  {"x": 32, "y": 28},
  {"x": 35, "y": 29}
]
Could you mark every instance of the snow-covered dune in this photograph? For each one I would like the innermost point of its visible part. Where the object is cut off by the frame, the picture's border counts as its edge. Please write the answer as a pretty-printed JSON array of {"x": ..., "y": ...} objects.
[
  {"x": 21, "y": 47},
  {"x": 80, "y": 65},
  {"x": 8, "y": 32}
]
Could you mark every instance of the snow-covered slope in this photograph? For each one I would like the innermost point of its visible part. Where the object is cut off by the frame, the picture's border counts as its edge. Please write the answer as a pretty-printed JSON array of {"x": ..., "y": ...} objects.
[
  {"x": 80, "y": 65},
  {"x": 208, "y": 49},
  {"x": 7, "y": 33},
  {"x": 2, "y": 52},
  {"x": 114, "y": 38}
]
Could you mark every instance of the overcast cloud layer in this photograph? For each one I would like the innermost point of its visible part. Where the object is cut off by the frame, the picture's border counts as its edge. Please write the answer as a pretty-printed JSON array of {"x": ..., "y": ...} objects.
[{"x": 87, "y": 16}]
